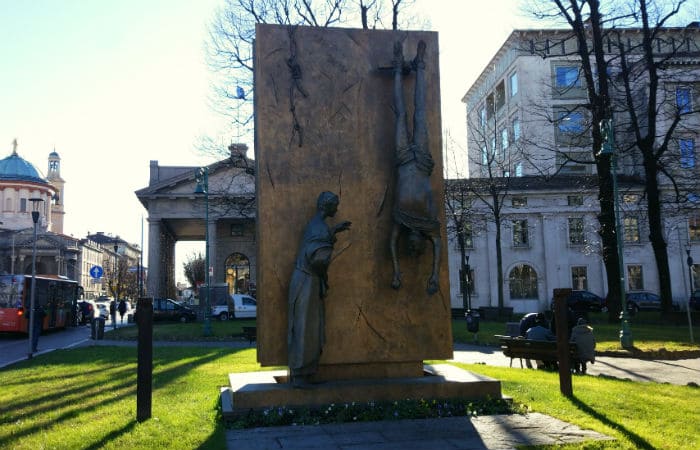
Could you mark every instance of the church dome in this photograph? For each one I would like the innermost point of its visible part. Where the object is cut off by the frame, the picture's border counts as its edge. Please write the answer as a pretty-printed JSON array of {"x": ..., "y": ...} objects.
[{"x": 14, "y": 167}]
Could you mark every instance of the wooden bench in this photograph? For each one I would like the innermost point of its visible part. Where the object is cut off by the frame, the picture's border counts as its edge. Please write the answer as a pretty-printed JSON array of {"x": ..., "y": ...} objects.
[
  {"x": 528, "y": 349},
  {"x": 250, "y": 334}
]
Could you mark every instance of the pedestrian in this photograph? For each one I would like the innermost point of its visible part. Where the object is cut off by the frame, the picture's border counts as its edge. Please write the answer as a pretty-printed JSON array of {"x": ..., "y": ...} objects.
[
  {"x": 540, "y": 332},
  {"x": 582, "y": 336},
  {"x": 37, "y": 324},
  {"x": 122, "y": 309}
]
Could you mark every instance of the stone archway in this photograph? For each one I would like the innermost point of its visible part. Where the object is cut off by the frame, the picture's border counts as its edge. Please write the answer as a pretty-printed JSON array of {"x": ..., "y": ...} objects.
[
  {"x": 179, "y": 209},
  {"x": 237, "y": 269}
]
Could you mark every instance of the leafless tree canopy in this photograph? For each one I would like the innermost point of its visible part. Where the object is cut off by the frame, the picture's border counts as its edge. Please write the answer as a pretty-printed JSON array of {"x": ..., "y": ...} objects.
[{"x": 229, "y": 47}]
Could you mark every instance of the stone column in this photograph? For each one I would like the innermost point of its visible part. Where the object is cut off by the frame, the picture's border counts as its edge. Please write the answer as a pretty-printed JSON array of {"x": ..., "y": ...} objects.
[{"x": 154, "y": 257}]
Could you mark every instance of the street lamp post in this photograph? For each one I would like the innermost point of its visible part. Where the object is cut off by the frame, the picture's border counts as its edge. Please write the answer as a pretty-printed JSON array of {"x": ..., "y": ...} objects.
[
  {"x": 468, "y": 278},
  {"x": 608, "y": 130},
  {"x": 32, "y": 302},
  {"x": 690, "y": 279},
  {"x": 116, "y": 285},
  {"x": 201, "y": 176}
]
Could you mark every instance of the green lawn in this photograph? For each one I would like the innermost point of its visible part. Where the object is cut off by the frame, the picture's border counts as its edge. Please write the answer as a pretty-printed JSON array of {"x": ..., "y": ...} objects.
[
  {"x": 648, "y": 334},
  {"x": 86, "y": 398}
]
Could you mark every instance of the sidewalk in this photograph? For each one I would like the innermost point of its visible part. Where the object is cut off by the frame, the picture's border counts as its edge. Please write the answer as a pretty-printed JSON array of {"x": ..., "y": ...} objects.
[{"x": 681, "y": 372}]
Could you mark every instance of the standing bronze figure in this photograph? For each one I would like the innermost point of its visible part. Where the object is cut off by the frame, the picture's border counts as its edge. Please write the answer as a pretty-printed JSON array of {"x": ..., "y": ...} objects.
[
  {"x": 414, "y": 209},
  {"x": 308, "y": 289}
]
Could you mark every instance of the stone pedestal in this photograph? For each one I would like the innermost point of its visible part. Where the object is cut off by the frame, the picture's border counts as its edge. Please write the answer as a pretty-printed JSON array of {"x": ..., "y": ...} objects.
[{"x": 261, "y": 390}]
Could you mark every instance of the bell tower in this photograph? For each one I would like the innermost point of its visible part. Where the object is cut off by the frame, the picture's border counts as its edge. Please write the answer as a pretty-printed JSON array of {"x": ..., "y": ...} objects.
[{"x": 54, "y": 177}]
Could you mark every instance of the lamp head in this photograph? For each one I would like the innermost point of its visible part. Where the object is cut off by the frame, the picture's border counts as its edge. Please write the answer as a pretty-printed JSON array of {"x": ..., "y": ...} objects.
[
  {"x": 36, "y": 201},
  {"x": 201, "y": 178}
]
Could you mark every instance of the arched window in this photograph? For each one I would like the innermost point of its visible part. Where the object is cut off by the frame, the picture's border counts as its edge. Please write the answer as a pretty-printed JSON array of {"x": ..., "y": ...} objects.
[
  {"x": 238, "y": 273},
  {"x": 523, "y": 282}
]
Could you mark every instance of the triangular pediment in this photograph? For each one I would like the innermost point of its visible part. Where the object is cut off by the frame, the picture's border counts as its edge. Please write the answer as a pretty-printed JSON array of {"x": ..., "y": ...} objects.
[{"x": 226, "y": 179}]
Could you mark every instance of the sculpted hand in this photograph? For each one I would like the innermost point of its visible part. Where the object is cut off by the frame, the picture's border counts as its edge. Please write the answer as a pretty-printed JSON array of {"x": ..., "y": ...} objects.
[{"x": 342, "y": 226}]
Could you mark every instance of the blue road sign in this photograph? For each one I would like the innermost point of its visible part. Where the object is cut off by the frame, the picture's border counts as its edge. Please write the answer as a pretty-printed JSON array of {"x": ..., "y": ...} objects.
[{"x": 96, "y": 271}]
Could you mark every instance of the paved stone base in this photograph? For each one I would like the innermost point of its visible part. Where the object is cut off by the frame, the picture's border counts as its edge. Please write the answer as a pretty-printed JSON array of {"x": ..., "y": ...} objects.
[
  {"x": 260, "y": 390},
  {"x": 486, "y": 432}
]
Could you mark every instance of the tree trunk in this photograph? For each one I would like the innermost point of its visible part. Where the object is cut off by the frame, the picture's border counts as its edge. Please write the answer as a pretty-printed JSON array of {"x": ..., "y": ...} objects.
[
  {"x": 658, "y": 243},
  {"x": 607, "y": 233}
]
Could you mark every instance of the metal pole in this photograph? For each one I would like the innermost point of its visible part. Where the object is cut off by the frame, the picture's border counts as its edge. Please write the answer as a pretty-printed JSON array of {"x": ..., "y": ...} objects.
[
  {"x": 207, "y": 307},
  {"x": 690, "y": 278},
  {"x": 32, "y": 292},
  {"x": 116, "y": 287},
  {"x": 32, "y": 302},
  {"x": 625, "y": 331}
]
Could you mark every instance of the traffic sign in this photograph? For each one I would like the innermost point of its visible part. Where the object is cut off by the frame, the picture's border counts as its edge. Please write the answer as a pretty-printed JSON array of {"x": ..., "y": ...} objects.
[{"x": 96, "y": 272}]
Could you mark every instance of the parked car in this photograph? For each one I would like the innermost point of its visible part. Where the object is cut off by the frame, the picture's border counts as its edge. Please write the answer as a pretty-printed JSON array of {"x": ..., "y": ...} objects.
[
  {"x": 244, "y": 306},
  {"x": 580, "y": 300},
  {"x": 694, "y": 301},
  {"x": 645, "y": 301},
  {"x": 168, "y": 309}
]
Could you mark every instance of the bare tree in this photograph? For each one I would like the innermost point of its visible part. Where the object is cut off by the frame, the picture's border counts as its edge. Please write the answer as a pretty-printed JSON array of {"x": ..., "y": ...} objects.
[
  {"x": 654, "y": 115},
  {"x": 586, "y": 23},
  {"x": 229, "y": 47}
]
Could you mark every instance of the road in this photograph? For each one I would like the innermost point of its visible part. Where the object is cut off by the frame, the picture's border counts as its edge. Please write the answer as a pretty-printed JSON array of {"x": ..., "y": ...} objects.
[{"x": 14, "y": 347}]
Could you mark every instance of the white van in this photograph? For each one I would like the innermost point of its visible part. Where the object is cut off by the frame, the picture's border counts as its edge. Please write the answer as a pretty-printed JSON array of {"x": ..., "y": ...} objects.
[
  {"x": 240, "y": 306},
  {"x": 244, "y": 306}
]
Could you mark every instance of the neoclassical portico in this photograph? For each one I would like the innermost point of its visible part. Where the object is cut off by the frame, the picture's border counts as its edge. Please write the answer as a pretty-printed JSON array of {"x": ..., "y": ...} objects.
[{"x": 177, "y": 213}]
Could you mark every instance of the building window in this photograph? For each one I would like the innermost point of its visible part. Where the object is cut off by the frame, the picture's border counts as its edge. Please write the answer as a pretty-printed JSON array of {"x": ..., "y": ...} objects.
[
  {"x": 687, "y": 147},
  {"x": 574, "y": 200},
  {"x": 579, "y": 278},
  {"x": 683, "y": 100},
  {"x": 513, "y": 82},
  {"x": 237, "y": 229},
  {"x": 567, "y": 77},
  {"x": 523, "y": 282},
  {"x": 518, "y": 201},
  {"x": 520, "y": 237},
  {"x": 22, "y": 205},
  {"x": 631, "y": 225},
  {"x": 484, "y": 155},
  {"x": 516, "y": 129},
  {"x": 635, "y": 277},
  {"x": 570, "y": 122},
  {"x": 482, "y": 117},
  {"x": 519, "y": 169},
  {"x": 500, "y": 95},
  {"x": 490, "y": 105},
  {"x": 576, "y": 235},
  {"x": 694, "y": 228},
  {"x": 504, "y": 140},
  {"x": 696, "y": 276},
  {"x": 630, "y": 199}
]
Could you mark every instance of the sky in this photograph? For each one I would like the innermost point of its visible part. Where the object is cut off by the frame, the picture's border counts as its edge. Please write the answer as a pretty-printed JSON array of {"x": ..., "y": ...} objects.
[{"x": 112, "y": 85}]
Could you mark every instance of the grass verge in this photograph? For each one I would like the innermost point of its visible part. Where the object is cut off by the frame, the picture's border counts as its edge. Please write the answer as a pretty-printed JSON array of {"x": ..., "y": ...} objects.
[{"x": 86, "y": 398}]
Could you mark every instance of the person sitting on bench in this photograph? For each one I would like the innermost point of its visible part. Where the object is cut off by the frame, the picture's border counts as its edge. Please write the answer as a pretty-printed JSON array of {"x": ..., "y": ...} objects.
[
  {"x": 582, "y": 336},
  {"x": 540, "y": 332}
]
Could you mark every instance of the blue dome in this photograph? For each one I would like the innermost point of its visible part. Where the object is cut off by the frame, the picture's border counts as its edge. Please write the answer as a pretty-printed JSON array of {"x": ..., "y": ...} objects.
[{"x": 14, "y": 167}]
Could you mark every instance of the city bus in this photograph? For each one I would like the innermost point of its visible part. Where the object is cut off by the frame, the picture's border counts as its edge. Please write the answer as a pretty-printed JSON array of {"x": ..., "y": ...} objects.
[{"x": 57, "y": 295}]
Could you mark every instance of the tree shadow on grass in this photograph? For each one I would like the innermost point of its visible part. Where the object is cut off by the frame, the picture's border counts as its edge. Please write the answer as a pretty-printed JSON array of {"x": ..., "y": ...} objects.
[
  {"x": 636, "y": 439},
  {"x": 35, "y": 408}
]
